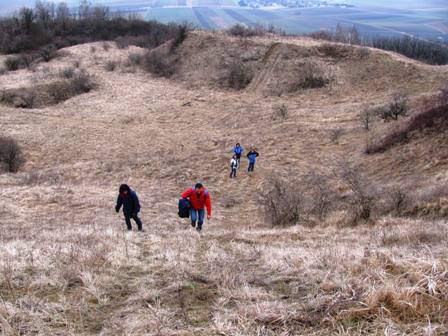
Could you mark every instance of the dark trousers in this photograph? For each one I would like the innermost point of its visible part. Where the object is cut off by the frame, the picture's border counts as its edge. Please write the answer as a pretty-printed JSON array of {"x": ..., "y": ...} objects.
[
  {"x": 233, "y": 173},
  {"x": 135, "y": 217},
  {"x": 251, "y": 166}
]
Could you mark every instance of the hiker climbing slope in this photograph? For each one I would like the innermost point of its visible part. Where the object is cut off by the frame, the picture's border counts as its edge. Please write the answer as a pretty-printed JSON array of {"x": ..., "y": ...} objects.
[
  {"x": 131, "y": 206},
  {"x": 252, "y": 157},
  {"x": 238, "y": 151},
  {"x": 200, "y": 199}
]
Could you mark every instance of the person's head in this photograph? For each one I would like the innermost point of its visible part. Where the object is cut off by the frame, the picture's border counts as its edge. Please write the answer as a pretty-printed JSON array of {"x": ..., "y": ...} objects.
[
  {"x": 124, "y": 190},
  {"x": 198, "y": 188},
  {"x": 234, "y": 156},
  {"x": 237, "y": 144}
]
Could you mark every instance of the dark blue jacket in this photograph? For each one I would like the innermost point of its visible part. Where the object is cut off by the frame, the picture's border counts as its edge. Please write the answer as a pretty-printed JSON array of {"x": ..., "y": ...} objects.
[
  {"x": 238, "y": 150},
  {"x": 130, "y": 203}
]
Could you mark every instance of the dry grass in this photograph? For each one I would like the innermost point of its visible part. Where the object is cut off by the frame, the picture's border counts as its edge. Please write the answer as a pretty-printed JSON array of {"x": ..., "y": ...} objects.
[{"x": 67, "y": 266}]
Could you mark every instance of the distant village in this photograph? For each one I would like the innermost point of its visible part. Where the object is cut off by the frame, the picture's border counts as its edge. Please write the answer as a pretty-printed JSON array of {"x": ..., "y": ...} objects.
[{"x": 291, "y": 3}]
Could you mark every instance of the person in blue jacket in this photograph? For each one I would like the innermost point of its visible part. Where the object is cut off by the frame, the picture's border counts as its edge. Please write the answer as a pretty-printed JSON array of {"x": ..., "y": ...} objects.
[
  {"x": 252, "y": 157},
  {"x": 238, "y": 151},
  {"x": 131, "y": 206}
]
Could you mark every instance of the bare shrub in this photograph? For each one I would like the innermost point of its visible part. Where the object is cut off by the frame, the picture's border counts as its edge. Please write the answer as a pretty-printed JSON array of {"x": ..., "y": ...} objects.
[
  {"x": 20, "y": 98},
  {"x": 11, "y": 156},
  {"x": 366, "y": 117},
  {"x": 363, "y": 53},
  {"x": 92, "y": 49},
  {"x": 320, "y": 195},
  {"x": 397, "y": 200},
  {"x": 135, "y": 59},
  {"x": 335, "y": 134},
  {"x": 180, "y": 35},
  {"x": 334, "y": 50},
  {"x": 106, "y": 46},
  {"x": 3, "y": 71},
  {"x": 12, "y": 63},
  {"x": 110, "y": 66},
  {"x": 238, "y": 75},
  {"x": 283, "y": 203},
  {"x": 67, "y": 73},
  {"x": 434, "y": 119},
  {"x": 243, "y": 31},
  {"x": 397, "y": 107},
  {"x": 280, "y": 112},
  {"x": 362, "y": 197},
  {"x": 311, "y": 76},
  {"x": 48, "y": 53},
  {"x": 82, "y": 82},
  {"x": 157, "y": 63}
]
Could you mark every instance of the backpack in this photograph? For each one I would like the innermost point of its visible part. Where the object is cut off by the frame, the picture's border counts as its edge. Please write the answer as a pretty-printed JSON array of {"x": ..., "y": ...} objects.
[{"x": 184, "y": 208}]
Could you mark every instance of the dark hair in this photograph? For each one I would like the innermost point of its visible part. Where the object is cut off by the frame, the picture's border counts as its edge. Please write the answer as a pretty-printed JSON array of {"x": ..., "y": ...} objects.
[
  {"x": 198, "y": 186},
  {"x": 238, "y": 144},
  {"x": 123, "y": 188}
]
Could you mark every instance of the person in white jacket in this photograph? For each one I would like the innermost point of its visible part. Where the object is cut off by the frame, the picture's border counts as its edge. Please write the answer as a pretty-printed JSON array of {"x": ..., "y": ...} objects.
[{"x": 233, "y": 166}]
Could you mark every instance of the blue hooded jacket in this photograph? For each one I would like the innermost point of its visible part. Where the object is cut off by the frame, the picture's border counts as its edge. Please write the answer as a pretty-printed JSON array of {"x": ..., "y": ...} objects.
[
  {"x": 252, "y": 156},
  {"x": 238, "y": 150},
  {"x": 131, "y": 204}
]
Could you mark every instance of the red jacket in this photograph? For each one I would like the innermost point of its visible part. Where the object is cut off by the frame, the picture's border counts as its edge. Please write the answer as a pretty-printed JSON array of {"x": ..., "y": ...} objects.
[{"x": 198, "y": 202}]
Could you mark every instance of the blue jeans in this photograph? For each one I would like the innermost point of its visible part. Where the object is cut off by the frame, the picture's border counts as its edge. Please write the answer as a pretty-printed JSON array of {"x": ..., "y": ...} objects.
[{"x": 197, "y": 215}]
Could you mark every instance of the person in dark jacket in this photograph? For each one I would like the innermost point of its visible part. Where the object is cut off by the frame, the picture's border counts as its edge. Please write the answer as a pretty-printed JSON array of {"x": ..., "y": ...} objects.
[
  {"x": 131, "y": 206},
  {"x": 252, "y": 157}
]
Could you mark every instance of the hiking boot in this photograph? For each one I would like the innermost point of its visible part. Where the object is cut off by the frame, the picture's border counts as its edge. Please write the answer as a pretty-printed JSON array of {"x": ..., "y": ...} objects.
[
  {"x": 141, "y": 230},
  {"x": 193, "y": 224},
  {"x": 198, "y": 229}
]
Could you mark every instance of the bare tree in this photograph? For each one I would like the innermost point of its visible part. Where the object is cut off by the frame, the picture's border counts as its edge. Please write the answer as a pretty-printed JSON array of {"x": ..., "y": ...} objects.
[{"x": 11, "y": 156}]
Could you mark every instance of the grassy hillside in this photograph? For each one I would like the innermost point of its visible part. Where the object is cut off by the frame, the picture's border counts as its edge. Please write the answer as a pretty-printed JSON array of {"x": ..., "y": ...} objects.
[{"x": 68, "y": 267}]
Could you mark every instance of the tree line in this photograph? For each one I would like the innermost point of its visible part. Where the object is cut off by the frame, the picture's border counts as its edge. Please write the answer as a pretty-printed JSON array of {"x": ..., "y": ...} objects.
[{"x": 50, "y": 24}]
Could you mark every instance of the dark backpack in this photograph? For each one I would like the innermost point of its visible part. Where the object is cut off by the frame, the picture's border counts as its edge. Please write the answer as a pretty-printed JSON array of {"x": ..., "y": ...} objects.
[{"x": 184, "y": 208}]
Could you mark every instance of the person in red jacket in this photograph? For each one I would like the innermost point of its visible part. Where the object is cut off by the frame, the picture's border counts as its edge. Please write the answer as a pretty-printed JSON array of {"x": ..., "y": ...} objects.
[{"x": 199, "y": 198}]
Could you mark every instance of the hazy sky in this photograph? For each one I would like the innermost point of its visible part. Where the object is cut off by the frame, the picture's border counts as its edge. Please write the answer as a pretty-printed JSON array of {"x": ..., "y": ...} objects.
[{"x": 8, "y": 5}]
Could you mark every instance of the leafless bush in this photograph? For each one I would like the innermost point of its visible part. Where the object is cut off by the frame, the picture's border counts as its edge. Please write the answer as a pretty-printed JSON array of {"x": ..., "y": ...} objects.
[
  {"x": 310, "y": 76},
  {"x": 283, "y": 202},
  {"x": 397, "y": 200},
  {"x": 11, "y": 156},
  {"x": 334, "y": 50},
  {"x": 319, "y": 194},
  {"x": 363, "y": 196},
  {"x": 280, "y": 112},
  {"x": 82, "y": 82},
  {"x": 67, "y": 73},
  {"x": 243, "y": 31},
  {"x": 156, "y": 62},
  {"x": 20, "y": 98},
  {"x": 106, "y": 46},
  {"x": 238, "y": 75},
  {"x": 48, "y": 53},
  {"x": 366, "y": 117},
  {"x": 398, "y": 107},
  {"x": 135, "y": 59},
  {"x": 434, "y": 119},
  {"x": 335, "y": 134},
  {"x": 12, "y": 63},
  {"x": 363, "y": 53},
  {"x": 92, "y": 49},
  {"x": 110, "y": 66}
]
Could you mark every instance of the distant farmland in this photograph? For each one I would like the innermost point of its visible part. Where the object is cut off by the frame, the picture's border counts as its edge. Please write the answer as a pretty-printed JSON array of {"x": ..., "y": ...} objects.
[{"x": 430, "y": 23}]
